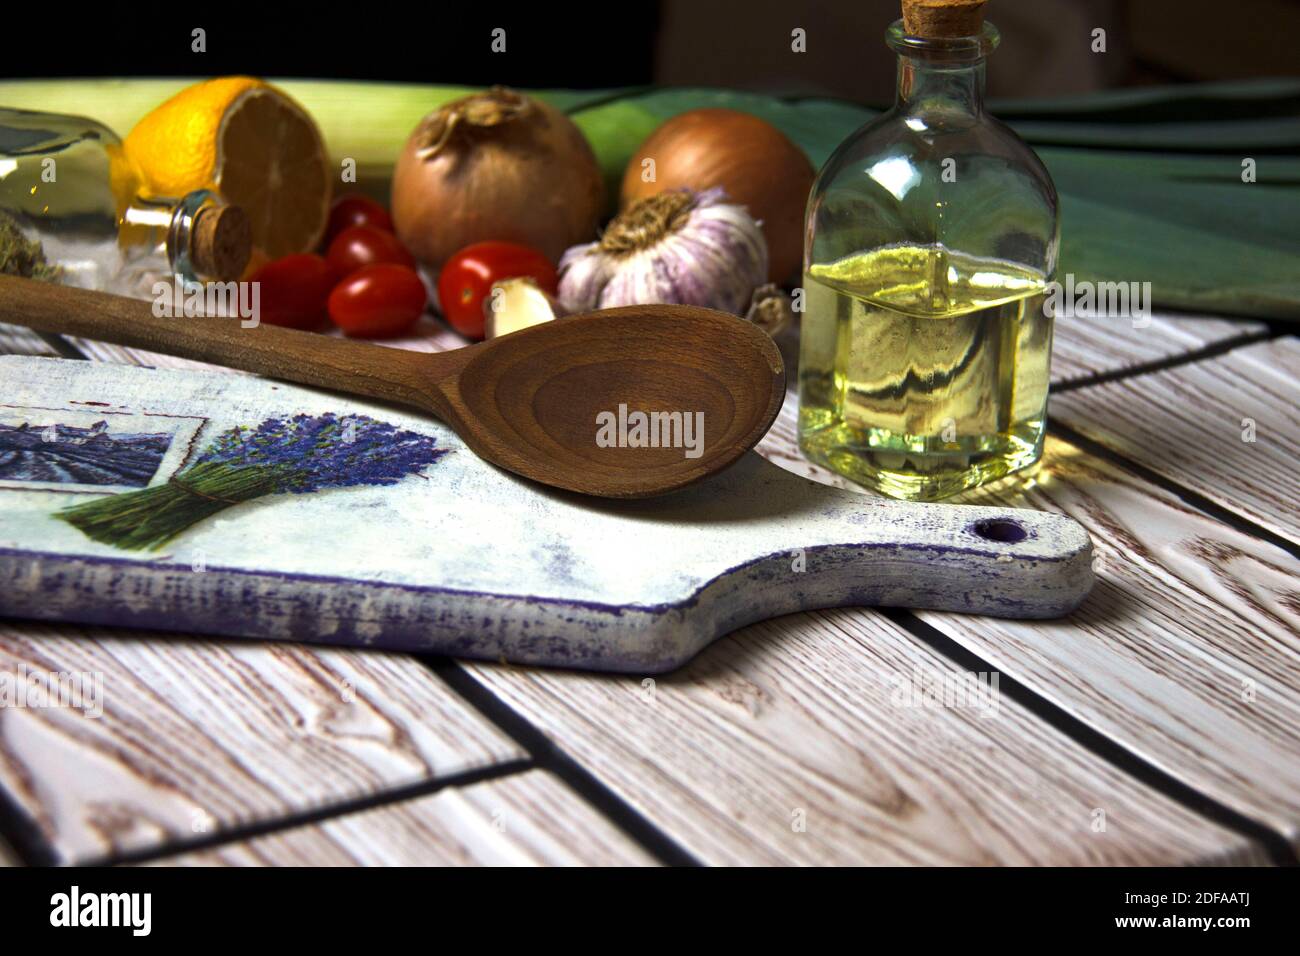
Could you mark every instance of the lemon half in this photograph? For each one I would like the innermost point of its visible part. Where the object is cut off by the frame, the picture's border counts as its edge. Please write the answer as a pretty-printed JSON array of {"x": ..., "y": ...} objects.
[{"x": 250, "y": 143}]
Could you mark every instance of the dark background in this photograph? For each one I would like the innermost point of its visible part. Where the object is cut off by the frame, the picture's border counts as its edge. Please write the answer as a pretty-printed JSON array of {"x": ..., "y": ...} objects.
[{"x": 734, "y": 43}]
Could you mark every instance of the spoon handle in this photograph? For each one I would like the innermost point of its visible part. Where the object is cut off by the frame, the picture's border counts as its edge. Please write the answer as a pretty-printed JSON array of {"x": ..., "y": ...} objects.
[{"x": 359, "y": 368}]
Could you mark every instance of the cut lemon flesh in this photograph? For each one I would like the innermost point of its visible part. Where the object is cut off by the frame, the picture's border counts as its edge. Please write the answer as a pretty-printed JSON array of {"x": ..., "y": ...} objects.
[
  {"x": 271, "y": 161},
  {"x": 253, "y": 145}
]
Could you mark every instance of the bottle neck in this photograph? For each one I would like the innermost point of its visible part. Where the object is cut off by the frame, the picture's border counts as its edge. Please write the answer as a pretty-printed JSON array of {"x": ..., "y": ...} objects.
[
  {"x": 925, "y": 85},
  {"x": 941, "y": 76},
  {"x": 158, "y": 234}
]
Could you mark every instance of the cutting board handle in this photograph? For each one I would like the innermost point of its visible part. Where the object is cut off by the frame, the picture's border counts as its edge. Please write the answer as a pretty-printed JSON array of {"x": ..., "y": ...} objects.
[
  {"x": 815, "y": 546},
  {"x": 1007, "y": 562}
]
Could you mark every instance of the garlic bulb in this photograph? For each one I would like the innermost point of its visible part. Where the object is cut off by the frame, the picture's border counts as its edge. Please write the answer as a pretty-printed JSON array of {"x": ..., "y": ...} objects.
[{"x": 672, "y": 248}]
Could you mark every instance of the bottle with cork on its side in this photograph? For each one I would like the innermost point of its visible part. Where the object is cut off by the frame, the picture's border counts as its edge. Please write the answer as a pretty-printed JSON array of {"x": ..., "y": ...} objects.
[
  {"x": 932, "y": 235},
  {"x": 72, "y": 210}
]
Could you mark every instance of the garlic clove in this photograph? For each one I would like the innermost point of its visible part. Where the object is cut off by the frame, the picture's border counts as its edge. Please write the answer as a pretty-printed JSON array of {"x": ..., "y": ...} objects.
[
  {"x": 584, "y": 272},
  {"x": 770, "y": 309},
  {"x": 515, "y": 304}
]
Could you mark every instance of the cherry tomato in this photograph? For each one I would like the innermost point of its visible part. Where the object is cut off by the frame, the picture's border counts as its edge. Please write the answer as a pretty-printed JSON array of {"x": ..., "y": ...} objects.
[
  {"x": 293, "y": 291},
  {"x": 355, "y": 211},
  {"x": 466, "y": 280},
  {"x": 376, "y": 301},
  {"x": 359, "y": 246}
]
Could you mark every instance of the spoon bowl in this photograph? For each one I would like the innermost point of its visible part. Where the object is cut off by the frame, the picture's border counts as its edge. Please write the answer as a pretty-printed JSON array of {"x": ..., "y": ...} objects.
[{"x": 621, "y": 403}]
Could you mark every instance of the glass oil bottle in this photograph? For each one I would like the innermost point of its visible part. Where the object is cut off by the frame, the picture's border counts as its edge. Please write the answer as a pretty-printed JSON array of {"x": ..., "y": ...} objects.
[
  {"x": 931, "y": 237},
  {"x": 67, "y": 187}
]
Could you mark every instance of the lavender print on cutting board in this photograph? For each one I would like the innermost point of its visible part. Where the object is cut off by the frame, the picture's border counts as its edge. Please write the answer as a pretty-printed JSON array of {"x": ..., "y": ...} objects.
[
  {"x": 298, "y": 454},
  {"x": 443, "y": 552}
]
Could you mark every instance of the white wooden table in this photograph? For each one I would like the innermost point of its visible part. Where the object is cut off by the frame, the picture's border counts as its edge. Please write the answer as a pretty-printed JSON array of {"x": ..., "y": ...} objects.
[{"x": 1158, "y": 725}]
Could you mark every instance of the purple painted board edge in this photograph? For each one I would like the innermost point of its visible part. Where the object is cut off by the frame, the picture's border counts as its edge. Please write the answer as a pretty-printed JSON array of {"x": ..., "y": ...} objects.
[{"x": 523, "y": 629}]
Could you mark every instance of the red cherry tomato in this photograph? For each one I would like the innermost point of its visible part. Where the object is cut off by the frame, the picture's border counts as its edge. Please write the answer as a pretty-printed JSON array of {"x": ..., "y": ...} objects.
[
  {"x": 355, "y": 211},
  {"x": 466, "y": 280},
  {"x": 376, "y": 301},
  {"x": 360, "y": 246},
  {"x": 293, "y": 291}
]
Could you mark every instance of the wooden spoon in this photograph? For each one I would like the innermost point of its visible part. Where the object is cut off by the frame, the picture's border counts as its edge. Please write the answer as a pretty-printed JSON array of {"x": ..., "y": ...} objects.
[{"x": 533, "y": 402}]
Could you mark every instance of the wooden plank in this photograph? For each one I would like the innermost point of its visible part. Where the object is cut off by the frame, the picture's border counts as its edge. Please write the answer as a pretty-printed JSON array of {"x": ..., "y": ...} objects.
[
  {"x": 197, "y": 736},
  {"x": 1083, "y": 347},
  {"x": 1227, "y": 427},
  {"x": 526, "y": 819},
  {"x": 16, "y": 340},
  {"x": 799, "y": 741},
  {"x": 1188, "y": 615},
  {"x": 1188, "y": 651}
]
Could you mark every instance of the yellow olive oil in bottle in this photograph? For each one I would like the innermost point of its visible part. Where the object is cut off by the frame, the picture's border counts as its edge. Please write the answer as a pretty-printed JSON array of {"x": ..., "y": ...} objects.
[{"x": 932, "y": 236}]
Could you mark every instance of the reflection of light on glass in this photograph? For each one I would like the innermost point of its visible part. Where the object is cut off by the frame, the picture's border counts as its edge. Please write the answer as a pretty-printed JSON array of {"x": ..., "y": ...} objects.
[
  {"x": 7, "y": 166},
  {"x": 915, "y": 124},
  {"x": 896, "y": 174},
  {"x": 994, "y": 280}
]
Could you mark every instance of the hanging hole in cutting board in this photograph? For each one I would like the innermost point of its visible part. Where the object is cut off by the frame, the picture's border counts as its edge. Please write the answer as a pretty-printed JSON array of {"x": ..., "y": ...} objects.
[{"x": 1002, "y": 530}]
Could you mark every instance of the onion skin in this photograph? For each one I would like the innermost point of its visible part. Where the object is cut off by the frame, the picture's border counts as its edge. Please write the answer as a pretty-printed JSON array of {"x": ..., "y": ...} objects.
[
  {"x": 525, "y": 175},
  {"x": 757, "y": 165}
]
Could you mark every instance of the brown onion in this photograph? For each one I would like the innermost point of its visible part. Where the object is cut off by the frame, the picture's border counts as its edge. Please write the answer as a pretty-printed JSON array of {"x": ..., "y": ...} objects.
[
  {"x": 748, "y": 157},
  {"x": 495, "y": 165}
]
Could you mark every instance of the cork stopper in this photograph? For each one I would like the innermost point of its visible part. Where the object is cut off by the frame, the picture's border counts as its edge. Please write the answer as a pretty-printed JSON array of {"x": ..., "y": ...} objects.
[
  {"x": 934, "y": 19},
  {"x": 221, "y": 243}
]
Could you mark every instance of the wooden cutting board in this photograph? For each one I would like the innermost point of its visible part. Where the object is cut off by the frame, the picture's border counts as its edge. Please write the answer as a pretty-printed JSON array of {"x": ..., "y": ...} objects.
[{"x": 369, "y": 526}]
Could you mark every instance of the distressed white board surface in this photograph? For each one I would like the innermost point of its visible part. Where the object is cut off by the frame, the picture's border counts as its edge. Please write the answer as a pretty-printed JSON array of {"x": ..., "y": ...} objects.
[
  {"x": 526, "y": 819},
  {"x": 1228, "y": 427},
  {"x": 463, "y": 558},
  {"x": 195, "y": 737}
]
